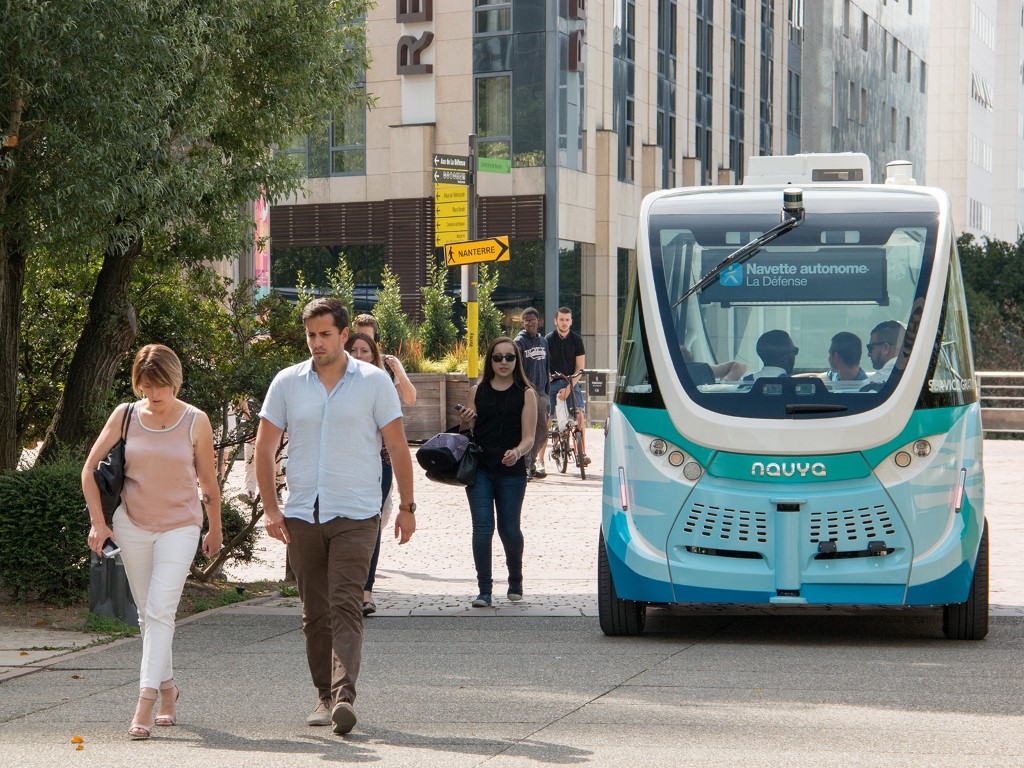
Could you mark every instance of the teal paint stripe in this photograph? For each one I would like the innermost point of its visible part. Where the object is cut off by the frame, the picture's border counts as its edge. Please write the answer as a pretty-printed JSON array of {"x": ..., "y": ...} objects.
[
  {"x": 655, "y": 421},
  {"x": 932, "y": 421}
]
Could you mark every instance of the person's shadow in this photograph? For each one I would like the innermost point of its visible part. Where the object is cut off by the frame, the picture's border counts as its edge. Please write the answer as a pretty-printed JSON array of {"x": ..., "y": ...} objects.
[{"x": 360, "y": 747}]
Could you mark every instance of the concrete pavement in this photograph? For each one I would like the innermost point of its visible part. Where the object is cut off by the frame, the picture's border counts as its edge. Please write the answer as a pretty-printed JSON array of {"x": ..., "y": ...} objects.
[{"x": 535, "y": 683}]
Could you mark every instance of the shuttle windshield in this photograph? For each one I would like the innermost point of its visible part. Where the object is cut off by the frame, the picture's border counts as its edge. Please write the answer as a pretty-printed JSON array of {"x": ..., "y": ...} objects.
[{"x": 814, "y": 324}]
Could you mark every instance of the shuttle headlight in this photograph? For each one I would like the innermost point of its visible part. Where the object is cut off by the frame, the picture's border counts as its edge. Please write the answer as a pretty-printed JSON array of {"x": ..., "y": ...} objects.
[
  {"x": 659, "y": 447},
  {"x": 922, "y": 448},
  {"x": 676, "y": 458},
  {"x": 902, "y": 459},
  {"x": 692, "y": 470}
]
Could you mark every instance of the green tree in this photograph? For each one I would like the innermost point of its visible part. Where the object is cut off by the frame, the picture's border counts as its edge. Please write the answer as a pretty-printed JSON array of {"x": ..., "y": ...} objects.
[
  {"x": 994, "y": 283},
  {"x": 394, "y": 328},
  {"x": 127, "y": 120},
  {"x": 437, "y": 333}
]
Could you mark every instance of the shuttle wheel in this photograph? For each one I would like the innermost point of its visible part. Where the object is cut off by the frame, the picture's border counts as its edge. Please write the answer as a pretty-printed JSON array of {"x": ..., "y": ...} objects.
[
  {"x": 969, "y": 621},
  {"x": 618, "y": 617}
]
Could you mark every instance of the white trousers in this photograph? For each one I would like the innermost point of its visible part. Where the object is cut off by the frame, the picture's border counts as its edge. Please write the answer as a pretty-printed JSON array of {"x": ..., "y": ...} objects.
[{"x": 156, "y": 565}]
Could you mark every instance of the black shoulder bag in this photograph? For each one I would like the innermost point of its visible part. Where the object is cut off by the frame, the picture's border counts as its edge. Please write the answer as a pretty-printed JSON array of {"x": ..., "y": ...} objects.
[{"x": 109, "y": 474}]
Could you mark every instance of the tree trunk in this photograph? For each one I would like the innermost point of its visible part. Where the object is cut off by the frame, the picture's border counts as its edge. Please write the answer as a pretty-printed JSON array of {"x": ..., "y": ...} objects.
[
  {"x": 109, "y": 333},
  {"x": 12, "y": 284}
]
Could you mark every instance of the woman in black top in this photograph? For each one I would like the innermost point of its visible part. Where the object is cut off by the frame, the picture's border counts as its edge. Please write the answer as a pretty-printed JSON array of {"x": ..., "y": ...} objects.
[{"x": 502, "y": 411}]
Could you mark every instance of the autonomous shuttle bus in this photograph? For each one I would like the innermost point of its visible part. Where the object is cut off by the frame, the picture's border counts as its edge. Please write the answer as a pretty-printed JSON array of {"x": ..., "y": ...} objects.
[{"x": 796, "y": 418}]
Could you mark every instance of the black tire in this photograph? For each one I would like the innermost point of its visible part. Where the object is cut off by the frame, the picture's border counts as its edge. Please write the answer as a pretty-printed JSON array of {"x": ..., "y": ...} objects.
[
  {"x": 562, "y": 454},
  {"x": 578, "y": 440},
  {"x": 969, "y": 621},
  {"x": 619, "y": 618}
]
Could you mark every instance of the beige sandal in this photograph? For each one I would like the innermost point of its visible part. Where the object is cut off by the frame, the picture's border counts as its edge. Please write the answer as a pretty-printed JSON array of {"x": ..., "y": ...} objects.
[
  {"x": 169, "y": 719},
  {"x": 139, "y": 731}
]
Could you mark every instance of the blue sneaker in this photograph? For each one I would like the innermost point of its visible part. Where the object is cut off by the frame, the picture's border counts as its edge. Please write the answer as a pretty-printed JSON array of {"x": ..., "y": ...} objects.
[{"x": 482, "y": 601}]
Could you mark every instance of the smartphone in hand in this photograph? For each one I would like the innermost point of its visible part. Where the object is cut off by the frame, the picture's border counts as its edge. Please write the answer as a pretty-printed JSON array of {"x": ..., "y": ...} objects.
[
  {"x": 457, "y": 407},
  {"x": 110, "y": 548}
]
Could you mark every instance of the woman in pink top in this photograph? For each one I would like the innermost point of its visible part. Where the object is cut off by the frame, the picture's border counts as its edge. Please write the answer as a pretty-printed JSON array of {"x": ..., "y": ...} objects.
[{"x": 168, "y": 452}]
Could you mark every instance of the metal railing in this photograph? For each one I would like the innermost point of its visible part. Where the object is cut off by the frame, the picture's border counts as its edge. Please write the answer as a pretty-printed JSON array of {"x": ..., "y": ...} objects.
[{"x": 1002, "y": 400}]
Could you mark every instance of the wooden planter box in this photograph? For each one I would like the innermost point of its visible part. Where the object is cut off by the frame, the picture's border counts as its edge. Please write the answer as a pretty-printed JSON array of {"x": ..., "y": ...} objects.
[{"x": 436, "y": 396}]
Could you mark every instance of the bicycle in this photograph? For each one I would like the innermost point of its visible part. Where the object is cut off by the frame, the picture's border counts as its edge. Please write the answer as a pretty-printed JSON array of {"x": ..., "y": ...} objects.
[{"x": 569, "y": 441}]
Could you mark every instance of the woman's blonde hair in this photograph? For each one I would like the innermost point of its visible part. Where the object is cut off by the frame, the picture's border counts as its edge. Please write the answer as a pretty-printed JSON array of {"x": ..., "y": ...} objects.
[{"x": 158, "y": 366}]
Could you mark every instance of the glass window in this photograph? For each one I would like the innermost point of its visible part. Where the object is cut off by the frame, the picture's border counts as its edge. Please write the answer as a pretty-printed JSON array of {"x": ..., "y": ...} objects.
[
  {"x": 853, "y": 266},
  {"x": 492, "y": 17},
  {"x": 494, "y": 115},
  {"x": 951, "y": 378},
  {"x": 528, "y": 101},
  {"x": 348, "y": 140}
]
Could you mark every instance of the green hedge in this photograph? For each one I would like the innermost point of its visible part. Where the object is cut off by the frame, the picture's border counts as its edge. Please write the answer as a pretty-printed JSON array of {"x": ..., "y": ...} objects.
[{"x": 43, "y": 549}]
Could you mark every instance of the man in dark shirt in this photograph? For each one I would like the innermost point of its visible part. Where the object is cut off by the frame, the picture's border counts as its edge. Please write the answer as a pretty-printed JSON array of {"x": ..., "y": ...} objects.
[
  {"x": 566, "y": 355},
  {"x": 535, "y": 363}
]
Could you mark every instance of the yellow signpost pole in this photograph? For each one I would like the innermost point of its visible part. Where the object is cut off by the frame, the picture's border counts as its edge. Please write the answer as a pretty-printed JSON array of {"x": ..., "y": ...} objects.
[{"x": 472, "y": 317}]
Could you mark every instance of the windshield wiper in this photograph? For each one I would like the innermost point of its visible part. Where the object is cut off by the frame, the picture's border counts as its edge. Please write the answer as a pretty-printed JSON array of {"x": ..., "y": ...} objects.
[{"x": 793, "y": 213}]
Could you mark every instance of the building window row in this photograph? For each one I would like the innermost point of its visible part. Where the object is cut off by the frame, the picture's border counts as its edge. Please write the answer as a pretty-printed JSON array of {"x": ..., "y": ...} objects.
[
  {"x": 666, "y": 106},
  {"x": 979, "y": 215},
  {"x": 737, "y": 85},
  {"x": 979, "y": 153},
  {"x": 767, "y": 92},
  {"x": 623, "y": 89},
  {"x": 983, "y": 27},
  {"x": 703, "y": 106},
  {"x": 981, "y": 90},
  {"x": 793, "y": 112}
]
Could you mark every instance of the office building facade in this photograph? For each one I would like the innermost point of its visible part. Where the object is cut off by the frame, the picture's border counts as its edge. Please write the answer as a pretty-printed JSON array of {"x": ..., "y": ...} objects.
[{"x": 580, "y": 108}]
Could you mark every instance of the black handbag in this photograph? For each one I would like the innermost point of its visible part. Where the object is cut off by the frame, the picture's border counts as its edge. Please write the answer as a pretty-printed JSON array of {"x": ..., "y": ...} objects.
[
  {"x": 109, "y": 474},
  {"x": 466, "y": 472},
  {"x": 450, "y": 457}
]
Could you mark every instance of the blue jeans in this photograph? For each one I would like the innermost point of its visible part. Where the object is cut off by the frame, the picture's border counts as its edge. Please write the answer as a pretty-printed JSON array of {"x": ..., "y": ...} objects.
[
  {"x": 502, "y": 495},
  {"x": 557, "y": 386},
  {"x": 385, "y": 487}
]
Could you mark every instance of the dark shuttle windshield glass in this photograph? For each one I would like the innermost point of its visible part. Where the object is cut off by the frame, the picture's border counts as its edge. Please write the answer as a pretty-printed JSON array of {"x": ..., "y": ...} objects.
[{"x": 814, "y": 325}]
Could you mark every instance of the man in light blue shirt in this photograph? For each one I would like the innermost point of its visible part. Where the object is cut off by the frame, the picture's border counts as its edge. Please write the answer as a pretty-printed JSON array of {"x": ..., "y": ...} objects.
[{"x": 336, "y": 410}]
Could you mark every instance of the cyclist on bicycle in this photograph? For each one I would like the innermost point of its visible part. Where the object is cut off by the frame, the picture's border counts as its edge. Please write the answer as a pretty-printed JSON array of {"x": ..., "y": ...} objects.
[{"x": 566, "y": 356}]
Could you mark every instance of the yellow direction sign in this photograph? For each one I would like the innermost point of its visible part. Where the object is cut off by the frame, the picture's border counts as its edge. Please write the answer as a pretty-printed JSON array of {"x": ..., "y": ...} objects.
[
  {"x": 450, "y": 193},
  {"x": 451, "y": 210},
  {"x": 443, "y": 238},
  {"x": 476, "y": 252}
]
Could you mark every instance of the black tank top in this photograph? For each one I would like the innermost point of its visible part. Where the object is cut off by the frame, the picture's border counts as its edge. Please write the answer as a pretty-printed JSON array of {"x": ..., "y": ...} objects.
[{"x": 499, "y": 426}]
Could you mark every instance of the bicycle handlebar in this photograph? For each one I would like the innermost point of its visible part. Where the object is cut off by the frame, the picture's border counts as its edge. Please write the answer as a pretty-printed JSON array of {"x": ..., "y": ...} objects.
[{"x": 567, "y": 376}]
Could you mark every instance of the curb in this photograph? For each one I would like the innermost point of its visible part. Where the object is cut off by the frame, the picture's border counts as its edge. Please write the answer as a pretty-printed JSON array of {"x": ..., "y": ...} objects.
[{"x": 60, "y": 658}]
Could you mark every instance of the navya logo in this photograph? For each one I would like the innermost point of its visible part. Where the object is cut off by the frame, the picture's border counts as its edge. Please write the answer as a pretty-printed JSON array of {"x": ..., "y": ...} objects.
[
  {"x": 787, "y": 469},
  {"x": 732, "y": 277}
]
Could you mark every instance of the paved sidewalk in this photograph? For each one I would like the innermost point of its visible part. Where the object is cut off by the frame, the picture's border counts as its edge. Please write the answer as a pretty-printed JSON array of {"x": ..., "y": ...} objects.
[{"x": 433, "y": 574}]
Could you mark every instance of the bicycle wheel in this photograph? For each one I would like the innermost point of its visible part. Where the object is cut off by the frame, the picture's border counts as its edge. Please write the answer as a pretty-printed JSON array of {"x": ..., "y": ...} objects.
[
  {"x": 580, "y": 460},
  {"x": 561, "y": 454}
]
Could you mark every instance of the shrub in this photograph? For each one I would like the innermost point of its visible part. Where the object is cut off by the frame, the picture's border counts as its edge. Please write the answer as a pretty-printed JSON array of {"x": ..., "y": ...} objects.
[
  {"x": 394, "y": 330},
  {"x": 437, "y": 332},
  {"x": 488, "y": 316},
  {"x": 44, "y": 554}
]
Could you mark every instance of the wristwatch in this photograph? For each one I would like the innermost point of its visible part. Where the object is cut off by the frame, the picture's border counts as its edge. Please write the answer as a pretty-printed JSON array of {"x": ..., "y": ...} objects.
[{"x": 410, "y": 507}]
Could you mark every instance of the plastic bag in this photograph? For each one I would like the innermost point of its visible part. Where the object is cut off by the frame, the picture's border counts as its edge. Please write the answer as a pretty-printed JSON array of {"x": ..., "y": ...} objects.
[{"x": 561, "y": 414}]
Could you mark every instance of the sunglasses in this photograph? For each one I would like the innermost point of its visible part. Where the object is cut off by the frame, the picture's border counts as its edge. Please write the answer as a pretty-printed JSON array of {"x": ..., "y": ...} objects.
[
  {"x": 508, "y": 357},
  {"x": 874, "y": 344}
]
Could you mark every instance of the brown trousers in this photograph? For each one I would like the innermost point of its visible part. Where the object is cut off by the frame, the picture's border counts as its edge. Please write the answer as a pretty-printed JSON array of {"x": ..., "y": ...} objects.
[{"x": 331, "y": 561}]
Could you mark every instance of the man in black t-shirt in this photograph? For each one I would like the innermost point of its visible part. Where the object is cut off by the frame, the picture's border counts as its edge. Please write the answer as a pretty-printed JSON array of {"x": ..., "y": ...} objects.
[{"x": 566, "y": 355}]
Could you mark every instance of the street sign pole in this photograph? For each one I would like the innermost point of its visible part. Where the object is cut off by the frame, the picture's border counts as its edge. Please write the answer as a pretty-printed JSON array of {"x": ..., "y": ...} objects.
[{"x": 472, "y": 274}]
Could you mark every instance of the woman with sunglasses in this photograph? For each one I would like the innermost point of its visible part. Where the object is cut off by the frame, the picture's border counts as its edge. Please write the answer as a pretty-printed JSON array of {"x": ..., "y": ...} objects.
[{"x": 502, "y": 412}]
